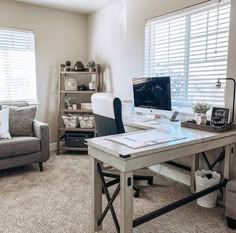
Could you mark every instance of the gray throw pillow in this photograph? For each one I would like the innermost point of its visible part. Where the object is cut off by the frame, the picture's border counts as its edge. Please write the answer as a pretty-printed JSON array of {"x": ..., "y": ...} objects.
[{"x": 21, "y": 120}]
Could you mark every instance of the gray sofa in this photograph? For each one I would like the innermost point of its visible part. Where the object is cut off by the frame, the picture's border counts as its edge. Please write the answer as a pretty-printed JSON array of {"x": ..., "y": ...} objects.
[
  {"x": 19, "y": 151},
  {"x": 230, "y": 210}
]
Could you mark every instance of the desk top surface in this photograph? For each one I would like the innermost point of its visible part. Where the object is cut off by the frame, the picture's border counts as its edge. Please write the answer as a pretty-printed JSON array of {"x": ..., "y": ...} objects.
[{"x": 193, "y": 136}]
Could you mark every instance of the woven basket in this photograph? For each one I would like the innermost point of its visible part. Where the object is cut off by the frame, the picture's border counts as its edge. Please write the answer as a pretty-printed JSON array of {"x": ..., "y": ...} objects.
[
  {"x": 86, "y": 121},
  {"x": 70, "y": 121}
]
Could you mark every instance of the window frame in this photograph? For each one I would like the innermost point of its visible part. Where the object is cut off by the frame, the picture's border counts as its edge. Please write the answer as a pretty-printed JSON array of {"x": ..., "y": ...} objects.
[
  {"x": 34, "y": 101},
  {"x": 189, "y": 11}
]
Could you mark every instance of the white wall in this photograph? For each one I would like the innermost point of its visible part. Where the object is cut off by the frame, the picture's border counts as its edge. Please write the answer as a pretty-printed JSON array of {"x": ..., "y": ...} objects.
[
  {"x": 232, "y": 67},
  {"x": 60, "y": 36},
  {"x": 116, "y": 40}
]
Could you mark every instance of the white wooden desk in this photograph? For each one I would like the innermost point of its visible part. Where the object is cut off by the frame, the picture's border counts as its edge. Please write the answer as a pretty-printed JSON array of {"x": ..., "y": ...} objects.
[
  {"x": 126, "y": 160},
  {"x": 134, "y": 123}
]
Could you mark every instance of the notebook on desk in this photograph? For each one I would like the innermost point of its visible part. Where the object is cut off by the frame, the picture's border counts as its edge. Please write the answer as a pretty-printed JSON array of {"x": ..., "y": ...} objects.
[{"x": 147, "y": 138}]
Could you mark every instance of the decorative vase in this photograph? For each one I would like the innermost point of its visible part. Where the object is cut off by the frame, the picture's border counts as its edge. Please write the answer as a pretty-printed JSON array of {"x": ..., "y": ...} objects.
[
  {"x": 74, "y": 106},
  {"x": 91, "y": 69},
  {"x": 200, "y": 119},
  {"x": 92, "y": 85},
  {"x": 79, "y": 66},
  {"x": 68, "y": 64},
  {"x": 197, "y": 118},
  {"x": 203, "y": 119}
]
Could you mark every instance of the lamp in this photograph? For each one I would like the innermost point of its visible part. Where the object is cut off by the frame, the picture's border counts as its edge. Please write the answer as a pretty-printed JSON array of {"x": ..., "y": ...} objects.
[{"x": 218, "y": 84}]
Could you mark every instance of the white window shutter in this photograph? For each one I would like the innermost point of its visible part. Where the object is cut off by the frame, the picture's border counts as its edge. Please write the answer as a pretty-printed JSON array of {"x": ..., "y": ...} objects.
[
  {"x": 17, "y": 65},
  {"x": 192, "y": 48}
]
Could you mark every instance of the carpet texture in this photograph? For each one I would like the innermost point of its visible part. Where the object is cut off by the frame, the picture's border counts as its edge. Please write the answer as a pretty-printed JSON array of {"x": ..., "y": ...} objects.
[{"x": 58, "y": 201}]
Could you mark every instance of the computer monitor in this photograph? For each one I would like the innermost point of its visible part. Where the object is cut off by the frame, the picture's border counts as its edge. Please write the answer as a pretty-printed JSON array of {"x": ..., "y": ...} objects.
[{"x": 152, "y": 93}]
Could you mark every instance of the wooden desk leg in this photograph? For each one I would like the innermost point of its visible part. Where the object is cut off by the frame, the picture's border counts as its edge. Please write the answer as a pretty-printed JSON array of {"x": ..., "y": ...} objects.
[
  {"x": 96, "y": 197},
  {"x": 194, "y": 167},
  {"x": 229, "y": 152},
  {"x": 126, "y": 202},
  {"x": 233, "y": 163}
]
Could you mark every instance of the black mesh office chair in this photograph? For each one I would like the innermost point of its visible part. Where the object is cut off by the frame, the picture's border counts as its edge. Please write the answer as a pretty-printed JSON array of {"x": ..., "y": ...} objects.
[{"x": 107, "y": 110}]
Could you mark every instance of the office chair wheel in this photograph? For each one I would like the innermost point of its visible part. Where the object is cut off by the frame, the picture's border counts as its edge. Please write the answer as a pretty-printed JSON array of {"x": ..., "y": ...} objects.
[
  {"x": 136, "y": 193},
  {"x": 150, "y": 181},
  {"x": 231, "y": 223}
]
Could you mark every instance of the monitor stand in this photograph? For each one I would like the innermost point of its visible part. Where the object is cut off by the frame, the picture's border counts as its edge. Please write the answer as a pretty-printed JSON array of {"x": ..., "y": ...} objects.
[
  {"x": 146, "y": 116},
  {"x": 150, "y": 116}
]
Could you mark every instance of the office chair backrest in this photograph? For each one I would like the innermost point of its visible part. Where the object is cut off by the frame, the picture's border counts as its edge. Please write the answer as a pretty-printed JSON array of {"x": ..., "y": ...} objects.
[{"x": 107, "y": 110}]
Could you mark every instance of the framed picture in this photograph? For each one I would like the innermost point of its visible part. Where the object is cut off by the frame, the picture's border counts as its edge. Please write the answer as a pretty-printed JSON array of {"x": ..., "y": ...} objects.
[
  {"x": 220, "y": 116},
  {"x": 70, "y": 84}
]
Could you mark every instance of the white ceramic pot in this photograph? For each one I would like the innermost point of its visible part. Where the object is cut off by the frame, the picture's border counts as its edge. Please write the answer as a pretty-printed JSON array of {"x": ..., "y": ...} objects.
[
  {"x": 203, "y": 119},
  {"x": 198, "y": 118},
  {"x": 92, "y": 85},
  {"x": 74, "y": 106}
]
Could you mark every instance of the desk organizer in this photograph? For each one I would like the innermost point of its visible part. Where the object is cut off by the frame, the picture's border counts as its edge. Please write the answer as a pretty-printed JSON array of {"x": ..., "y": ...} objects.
[{"x": 207, "y": 127}]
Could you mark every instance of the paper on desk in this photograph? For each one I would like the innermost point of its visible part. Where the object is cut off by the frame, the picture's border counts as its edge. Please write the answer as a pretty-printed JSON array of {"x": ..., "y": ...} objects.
[
  {"x": 127, "y": 142},
  {"x": 147, "y": 138}
]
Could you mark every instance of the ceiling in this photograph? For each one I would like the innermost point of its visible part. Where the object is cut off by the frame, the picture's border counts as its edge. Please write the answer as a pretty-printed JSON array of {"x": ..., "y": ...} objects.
[{"x": 80, "y": 6}]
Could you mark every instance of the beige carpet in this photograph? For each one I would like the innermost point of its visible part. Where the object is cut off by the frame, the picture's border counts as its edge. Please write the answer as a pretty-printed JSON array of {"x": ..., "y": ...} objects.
[{"x": 58, "y": 201}]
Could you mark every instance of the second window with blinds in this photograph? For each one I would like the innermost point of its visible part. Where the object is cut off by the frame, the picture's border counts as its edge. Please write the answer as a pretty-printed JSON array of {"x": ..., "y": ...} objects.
[
  {"x": 17, "y": 65},
  {"x": 192, "y": 48}
]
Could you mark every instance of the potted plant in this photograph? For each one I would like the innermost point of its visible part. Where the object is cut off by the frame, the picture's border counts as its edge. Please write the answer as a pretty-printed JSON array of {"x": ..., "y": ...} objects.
[
  {"x": 200, "y": 110},
  {"x": 69, "y": 101},
  {"x": 91, "y": 65}
]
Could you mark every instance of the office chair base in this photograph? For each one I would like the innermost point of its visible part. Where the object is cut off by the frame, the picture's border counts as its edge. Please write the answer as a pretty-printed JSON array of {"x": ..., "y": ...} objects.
[
  {"x": 113, "y": 182},
  {"x": 231, "y": 223},
  {"x": 150, "y": 181},
  {"x": 136, "y": 191},
  {"x": 116, "y": 180},
  {"x": 148, "y": 178},
  {"x": 136, "y": 194}
]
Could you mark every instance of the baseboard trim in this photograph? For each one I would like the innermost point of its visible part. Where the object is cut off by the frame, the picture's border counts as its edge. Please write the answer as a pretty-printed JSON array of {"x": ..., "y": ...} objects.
[{"x": 53, "y": 146}]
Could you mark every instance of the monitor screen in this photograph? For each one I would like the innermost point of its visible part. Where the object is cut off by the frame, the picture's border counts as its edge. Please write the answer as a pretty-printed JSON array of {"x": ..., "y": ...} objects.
[{"x": 152, "y": 93}]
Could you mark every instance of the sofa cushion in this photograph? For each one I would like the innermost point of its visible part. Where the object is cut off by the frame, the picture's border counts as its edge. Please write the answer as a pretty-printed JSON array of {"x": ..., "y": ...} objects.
[
  {"x": 231, "y": 186},
  {"x": 19, "y": 146},
  {"x": 4, "y": 123},
  {"x": 21, "y": 120}
]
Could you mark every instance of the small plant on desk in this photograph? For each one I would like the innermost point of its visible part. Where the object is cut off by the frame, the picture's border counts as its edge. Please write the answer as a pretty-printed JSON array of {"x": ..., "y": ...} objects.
[{"x": 200, "y": 110}]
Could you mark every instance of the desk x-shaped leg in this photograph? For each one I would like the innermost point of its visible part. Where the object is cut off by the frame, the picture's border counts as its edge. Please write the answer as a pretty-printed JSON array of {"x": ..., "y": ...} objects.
[
  {"x": 110, "y": 200},
  {"x": 220, "y": 158}
]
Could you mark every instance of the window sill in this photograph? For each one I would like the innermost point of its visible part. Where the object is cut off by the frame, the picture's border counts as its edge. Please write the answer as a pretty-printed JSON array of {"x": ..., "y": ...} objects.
[{"x": 36, "y": 104}]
